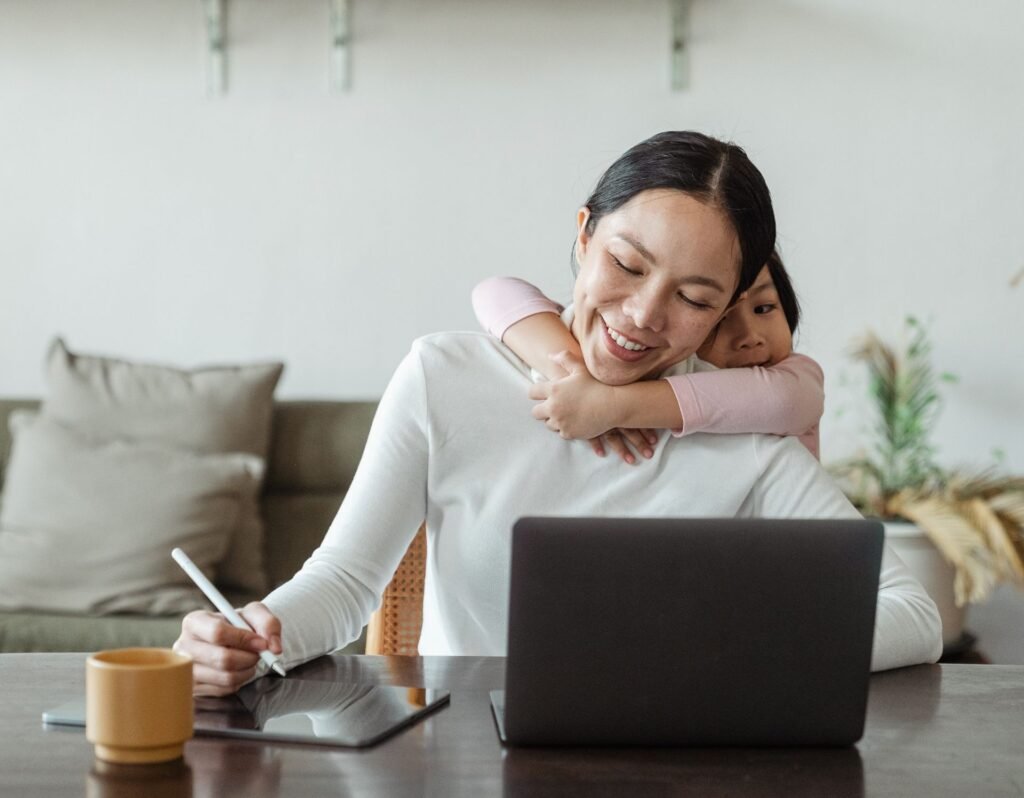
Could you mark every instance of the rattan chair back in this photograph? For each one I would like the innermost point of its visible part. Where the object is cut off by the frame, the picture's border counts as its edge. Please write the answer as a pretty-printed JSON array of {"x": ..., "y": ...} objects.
[{"x": 395, "y": 627}]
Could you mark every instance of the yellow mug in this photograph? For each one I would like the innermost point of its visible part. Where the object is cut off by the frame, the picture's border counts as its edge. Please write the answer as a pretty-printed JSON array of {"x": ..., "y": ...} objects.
[{"x": 138, "y": 704}]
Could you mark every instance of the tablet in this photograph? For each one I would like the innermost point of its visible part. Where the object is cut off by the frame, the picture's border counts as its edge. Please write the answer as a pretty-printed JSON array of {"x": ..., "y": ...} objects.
[{"x": 295, "y": 710}]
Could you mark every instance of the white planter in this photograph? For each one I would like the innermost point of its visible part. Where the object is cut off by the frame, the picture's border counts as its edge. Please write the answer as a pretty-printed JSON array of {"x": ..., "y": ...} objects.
[{"x": 925, "y": 562}]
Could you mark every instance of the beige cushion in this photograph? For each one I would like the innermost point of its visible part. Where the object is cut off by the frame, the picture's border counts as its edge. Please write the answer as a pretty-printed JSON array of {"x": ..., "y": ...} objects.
[
  {"x": 87, "y": 526},
  {"x": 212, "y": 410}
]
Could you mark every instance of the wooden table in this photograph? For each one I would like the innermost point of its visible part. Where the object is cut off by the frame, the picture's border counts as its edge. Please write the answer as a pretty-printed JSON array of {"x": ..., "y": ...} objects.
[{"x": 939, "y": 730}]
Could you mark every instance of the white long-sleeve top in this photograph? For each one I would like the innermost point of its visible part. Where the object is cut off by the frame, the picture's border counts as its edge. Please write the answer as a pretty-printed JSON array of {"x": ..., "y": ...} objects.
[{"x": 453, "y": 442}]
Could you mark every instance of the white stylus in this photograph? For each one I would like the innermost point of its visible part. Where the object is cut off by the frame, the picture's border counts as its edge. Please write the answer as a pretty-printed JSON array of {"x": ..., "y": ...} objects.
[{"x": 222, "y": 604}]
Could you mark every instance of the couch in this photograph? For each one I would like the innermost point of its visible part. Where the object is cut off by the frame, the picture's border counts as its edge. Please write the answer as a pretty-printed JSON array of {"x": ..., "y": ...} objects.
[{"x": 314, "y": 452}]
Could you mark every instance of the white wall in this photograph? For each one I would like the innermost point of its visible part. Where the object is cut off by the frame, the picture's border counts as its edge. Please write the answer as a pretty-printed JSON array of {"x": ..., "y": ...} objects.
[{"x": 137, "y": 217}]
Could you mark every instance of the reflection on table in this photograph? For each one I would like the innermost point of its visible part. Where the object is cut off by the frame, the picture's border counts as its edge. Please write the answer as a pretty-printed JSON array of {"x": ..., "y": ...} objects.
[
  {"x": 345, "y": 713},
  {"x": 933, "y": 731}
]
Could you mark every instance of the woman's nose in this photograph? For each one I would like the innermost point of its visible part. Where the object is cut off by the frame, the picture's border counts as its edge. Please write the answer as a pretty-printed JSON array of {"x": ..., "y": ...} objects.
[{"x": 646, "y": 309}]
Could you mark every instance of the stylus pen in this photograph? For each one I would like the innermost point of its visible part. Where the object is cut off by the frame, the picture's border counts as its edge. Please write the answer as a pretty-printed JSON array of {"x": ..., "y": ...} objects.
[{"x": 222, "y": 604}]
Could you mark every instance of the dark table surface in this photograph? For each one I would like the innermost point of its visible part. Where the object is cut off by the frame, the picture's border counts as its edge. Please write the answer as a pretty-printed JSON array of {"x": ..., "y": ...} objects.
[{"x": 933, "y": 730}]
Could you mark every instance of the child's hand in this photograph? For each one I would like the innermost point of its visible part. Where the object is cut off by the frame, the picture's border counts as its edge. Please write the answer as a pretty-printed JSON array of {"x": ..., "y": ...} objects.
[
  {"x": 577, "y": 405},
  {"x": 620, "y": 440}
]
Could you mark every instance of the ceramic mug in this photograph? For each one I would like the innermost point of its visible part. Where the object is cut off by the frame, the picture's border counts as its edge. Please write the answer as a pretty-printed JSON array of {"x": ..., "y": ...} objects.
[{"x": 138, "y": 704}]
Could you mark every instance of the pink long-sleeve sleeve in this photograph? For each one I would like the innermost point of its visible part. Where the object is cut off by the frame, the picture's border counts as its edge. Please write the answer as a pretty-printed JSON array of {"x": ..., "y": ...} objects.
[
  {"x": 785, "y": 399},
  {"x": 499, "y": 302}
]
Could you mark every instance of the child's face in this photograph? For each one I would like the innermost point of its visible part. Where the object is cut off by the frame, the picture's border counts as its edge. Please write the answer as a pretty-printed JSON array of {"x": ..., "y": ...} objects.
[{"x": 753, "y": 333}]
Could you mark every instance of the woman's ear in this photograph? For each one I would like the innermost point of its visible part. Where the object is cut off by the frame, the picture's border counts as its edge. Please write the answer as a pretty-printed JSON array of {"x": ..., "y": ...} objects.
[{"x": 582, "y": 236}]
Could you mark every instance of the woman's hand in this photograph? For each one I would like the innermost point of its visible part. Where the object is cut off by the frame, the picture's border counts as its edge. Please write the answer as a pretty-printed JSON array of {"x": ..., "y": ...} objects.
[
  {"x": 579, "y": 406},
  {"x": 223, "y": 657}
]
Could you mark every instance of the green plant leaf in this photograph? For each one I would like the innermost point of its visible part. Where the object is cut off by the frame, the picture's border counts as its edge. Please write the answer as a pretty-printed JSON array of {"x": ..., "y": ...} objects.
[{"x": 975, "y": 519}]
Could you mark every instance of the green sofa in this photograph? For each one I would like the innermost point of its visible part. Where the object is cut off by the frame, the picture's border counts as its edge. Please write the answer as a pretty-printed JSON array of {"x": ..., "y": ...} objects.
[{"x": 315, "y": 449}]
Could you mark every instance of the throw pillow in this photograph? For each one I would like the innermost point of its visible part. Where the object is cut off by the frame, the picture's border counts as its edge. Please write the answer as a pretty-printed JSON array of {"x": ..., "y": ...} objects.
[
  {"x": 212, "y": 410},
  {"x": 87, "y": 526}
]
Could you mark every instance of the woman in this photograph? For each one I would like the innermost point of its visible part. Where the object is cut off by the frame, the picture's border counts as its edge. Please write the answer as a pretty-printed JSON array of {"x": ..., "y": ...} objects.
[{"x": 676, "y": 229}]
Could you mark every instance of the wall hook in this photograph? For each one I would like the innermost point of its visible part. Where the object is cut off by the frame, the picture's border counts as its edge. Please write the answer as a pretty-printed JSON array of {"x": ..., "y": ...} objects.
[
  {"x": 341, "y": 36},
  {"x": 681, "y": 43},
  {"x": 216, "y": 51}
]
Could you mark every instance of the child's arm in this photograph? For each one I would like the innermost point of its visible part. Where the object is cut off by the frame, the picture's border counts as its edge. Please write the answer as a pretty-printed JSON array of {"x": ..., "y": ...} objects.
[
  {"x": 536, "y": 337},
  {"x": 785, "y": 399},
  {"x": 811, "y": 440},
  {"x": 579, "y": 406},
  {"x": 518, "y": 314}
]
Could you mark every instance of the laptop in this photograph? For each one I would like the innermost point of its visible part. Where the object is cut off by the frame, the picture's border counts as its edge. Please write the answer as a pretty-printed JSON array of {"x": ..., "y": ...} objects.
[{"x": 689, "y": 632}]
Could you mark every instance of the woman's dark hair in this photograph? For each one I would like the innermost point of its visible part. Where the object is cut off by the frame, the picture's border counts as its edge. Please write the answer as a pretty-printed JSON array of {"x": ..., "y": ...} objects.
[
  {"x": 715, "y": 172},
  {"x": 784, "y": 288}
]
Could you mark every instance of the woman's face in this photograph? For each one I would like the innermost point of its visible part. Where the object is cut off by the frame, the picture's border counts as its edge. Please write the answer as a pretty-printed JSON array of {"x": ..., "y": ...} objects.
[
  {"x": 654, "y": 279},
  {"x": 754, "y": 333}
]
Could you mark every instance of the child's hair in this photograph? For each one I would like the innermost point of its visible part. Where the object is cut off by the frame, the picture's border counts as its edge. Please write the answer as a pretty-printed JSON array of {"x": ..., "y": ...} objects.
[{"x": 784, "y": 288}]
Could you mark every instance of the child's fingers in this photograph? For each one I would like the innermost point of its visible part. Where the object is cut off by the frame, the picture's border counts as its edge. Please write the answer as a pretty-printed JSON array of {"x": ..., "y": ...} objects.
[
  {"x": 552, "y": 425},
  {"x": 618, "y": 445},
  {"x": 597, "y": 446},
  {"x": 651, "y": 435},
  {"x": 638, "y": 441},
  {"x": 539, "y": 390}
]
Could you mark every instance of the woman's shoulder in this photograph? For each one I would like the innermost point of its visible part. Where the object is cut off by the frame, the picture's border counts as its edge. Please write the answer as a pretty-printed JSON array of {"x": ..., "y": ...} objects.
[
  {"x": 451, "y": 338},
  {"x": 465, "y": 351},
  {"x": 466, "y": 341}
]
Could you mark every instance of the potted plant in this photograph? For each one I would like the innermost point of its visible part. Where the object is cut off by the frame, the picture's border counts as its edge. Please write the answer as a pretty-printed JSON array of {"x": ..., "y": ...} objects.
[{"x": 959, "y": 532}]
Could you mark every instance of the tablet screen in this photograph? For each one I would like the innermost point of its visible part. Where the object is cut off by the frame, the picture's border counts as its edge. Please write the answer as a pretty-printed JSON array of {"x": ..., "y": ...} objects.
[{"x": 298, "y": 710}]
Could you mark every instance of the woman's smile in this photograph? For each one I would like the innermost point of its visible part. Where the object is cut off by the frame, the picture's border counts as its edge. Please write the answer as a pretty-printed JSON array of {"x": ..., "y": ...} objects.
[{"x": 622, "y": 346}]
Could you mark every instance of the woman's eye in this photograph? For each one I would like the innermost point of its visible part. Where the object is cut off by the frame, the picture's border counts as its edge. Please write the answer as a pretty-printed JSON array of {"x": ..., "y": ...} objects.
[
  {"x": 761, "y": 309},
  {"x": 624, "y": 268},
  {"x": 693, "y": 303}
]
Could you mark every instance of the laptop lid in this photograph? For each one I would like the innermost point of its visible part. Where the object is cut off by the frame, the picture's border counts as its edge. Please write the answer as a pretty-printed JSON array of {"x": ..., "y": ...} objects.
[{"x": 628, "y": 631}]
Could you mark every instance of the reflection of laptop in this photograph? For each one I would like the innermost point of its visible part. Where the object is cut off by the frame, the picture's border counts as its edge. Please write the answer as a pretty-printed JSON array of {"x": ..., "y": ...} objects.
[{"x": 689, "y": 632}]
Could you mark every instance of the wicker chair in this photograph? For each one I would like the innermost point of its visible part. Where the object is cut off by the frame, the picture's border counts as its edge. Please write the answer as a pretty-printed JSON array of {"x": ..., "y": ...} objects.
[{"x": 395, "y": 627}]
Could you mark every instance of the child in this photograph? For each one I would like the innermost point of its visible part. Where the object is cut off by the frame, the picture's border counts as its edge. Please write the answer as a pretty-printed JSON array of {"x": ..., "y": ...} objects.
[{"x": 761, "y": 385}]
